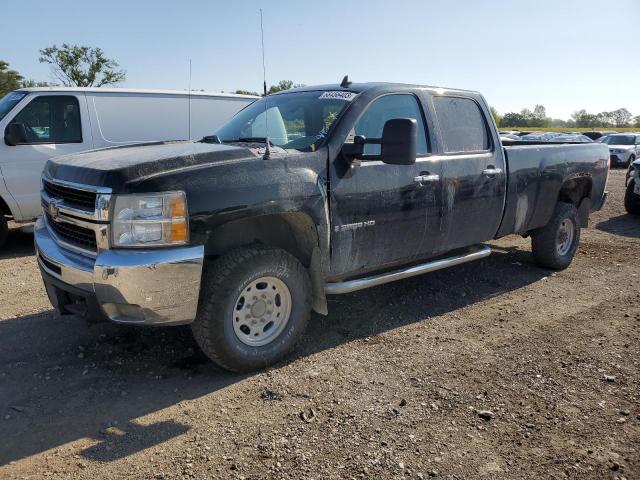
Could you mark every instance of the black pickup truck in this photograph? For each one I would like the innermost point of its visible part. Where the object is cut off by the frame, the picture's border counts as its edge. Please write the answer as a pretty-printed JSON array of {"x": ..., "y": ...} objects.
[{"x": 305, "y": 193}]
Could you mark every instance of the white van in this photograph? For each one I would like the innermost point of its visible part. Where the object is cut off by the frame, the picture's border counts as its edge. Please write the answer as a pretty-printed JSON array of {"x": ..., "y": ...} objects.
[{"x": 40, "y": 123}]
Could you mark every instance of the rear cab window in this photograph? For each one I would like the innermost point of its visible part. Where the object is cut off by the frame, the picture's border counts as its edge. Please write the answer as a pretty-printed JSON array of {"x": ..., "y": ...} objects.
[
  {"x": 463, "y": 126},
  {"x": 51, "y": 119}
]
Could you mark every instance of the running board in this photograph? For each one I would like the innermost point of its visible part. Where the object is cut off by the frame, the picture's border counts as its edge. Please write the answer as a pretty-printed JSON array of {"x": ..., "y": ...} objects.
[{"x": 475, "y": 253}]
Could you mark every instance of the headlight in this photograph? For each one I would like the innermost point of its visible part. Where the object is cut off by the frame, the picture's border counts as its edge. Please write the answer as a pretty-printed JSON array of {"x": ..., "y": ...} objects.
[{"x": 151, "y": 219}]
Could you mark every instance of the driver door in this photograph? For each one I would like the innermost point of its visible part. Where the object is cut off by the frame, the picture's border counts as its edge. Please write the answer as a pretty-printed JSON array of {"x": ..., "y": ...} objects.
[
  {"x": 380, "y": 212},
  {"x": 54, "y": 125}
]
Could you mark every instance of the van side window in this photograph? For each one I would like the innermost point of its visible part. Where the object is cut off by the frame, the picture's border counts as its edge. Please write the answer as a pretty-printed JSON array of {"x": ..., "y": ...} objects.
[
  {"x": 462, "y": 125},
  {"x": 51, "y": 119},
  {"x": 372, "y": 121}
]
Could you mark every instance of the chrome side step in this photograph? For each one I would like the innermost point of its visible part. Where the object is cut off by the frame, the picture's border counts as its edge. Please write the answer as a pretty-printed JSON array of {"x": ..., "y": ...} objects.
[{"x": 475, "y": 253}]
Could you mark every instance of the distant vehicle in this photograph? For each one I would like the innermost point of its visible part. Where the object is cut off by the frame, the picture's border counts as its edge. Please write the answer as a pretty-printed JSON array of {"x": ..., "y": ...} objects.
[
  {"x": 595, "y": 135},
  {"x": 624, "y": 148},
  {"x": 632, "y": 195},
  {"x": 509, "y": 137},
  {"x": 310, "y": 192},
  {"x": 556, "y": 137},
  {"x": 39, "y": 123}
]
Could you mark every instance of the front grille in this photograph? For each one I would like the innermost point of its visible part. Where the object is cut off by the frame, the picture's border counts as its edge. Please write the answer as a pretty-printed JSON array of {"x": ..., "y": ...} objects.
[
  {"x": 73, "y": 234},
  {"x": 71, "y": 196}
]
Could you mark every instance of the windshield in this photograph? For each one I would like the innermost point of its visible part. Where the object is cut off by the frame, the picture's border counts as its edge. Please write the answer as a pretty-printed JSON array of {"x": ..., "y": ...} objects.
[
  {"x": 9, "y": 101},
  {"x": 619, "y": 140},
  {"x": 297, "y": 120}
]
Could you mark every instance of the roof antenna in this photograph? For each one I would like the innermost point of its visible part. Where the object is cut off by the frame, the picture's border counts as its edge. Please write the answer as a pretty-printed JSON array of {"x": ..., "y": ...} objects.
[
  {"x": 346, "y": 83},
  {"x": 267, "y": 151},
  {"x": 189, "y": 100}
]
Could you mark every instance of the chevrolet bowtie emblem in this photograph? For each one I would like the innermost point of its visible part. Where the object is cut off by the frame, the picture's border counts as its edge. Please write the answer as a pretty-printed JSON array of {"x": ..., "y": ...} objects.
[{"x": 54, "y": 210}]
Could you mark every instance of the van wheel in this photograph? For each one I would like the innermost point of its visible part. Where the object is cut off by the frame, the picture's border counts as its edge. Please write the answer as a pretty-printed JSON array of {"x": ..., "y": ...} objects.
[
  {"x": 254, "y": 307},
  {"x": 4, "y": 230},
  {"x": 631, "y": 200},
  {"x": 555, "y": 244}
]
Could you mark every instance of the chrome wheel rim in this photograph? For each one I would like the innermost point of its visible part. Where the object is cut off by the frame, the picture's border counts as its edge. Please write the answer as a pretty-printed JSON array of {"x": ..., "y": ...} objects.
[
  {"x": 261, "y": 312},
  {"x": 564, "y": 239}
]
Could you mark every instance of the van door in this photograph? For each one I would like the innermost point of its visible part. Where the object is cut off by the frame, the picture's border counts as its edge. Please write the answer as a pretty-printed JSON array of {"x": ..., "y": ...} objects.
[
  {"x": 473, "y": 171},
  {"x": 53, "y": 123}
]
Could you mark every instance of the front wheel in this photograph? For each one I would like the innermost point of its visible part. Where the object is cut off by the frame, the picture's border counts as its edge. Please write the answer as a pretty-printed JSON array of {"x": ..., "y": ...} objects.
[
  {"x": 631, "y": 199},
  {"x": 555, "y": 244},
  {"x": 254, "y": 307}
]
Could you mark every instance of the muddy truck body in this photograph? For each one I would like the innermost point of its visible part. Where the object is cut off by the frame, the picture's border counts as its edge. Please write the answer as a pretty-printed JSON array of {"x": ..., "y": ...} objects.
[{"x": 306, "y": 193}]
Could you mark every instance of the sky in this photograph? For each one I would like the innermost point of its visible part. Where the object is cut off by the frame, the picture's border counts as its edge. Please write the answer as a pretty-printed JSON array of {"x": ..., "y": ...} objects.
[{"x": 563, "y": 54}]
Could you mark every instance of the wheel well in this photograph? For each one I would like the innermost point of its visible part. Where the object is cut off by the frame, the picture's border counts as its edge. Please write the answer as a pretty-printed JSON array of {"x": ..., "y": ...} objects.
[
  {"x": 575, "y": 190},
  {"x": 293, "y": 232},
  {"x": 4, "y": 208}
]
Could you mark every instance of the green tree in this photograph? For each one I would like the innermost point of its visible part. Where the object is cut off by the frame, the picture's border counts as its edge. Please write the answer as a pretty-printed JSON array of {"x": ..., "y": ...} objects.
[
  {"x": 246, "y": 92},
  {"x": 584, "y": 119},
  {"x": 30, "y": 83},
  {"x": 496, "y": 116},
  {"x": 637, "y": 121},
  {"x": 9, "y": 79},
  {"x": 80, "y": 66},
  {"x": 283, "y": 85},
  {"x": 621, "y": 117},
  {"x": 513, "y": 119}
]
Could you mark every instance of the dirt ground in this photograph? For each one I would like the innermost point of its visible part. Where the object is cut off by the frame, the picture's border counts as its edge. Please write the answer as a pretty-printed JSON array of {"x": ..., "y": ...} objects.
[{"x": 394, "y": 383}]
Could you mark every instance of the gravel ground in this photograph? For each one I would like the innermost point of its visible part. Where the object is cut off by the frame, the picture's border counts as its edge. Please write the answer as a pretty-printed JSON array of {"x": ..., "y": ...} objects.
[{"x": 495, "y": 369}]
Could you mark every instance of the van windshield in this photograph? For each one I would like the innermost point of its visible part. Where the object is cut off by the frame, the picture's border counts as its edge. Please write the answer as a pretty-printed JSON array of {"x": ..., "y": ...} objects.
[
  {"x": 297, "y": 120},
  {"x": 9, "y": 101}
]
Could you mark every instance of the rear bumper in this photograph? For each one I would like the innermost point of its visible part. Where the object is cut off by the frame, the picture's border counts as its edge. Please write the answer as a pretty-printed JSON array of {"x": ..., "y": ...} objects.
[{"x": 154, "y": 286}]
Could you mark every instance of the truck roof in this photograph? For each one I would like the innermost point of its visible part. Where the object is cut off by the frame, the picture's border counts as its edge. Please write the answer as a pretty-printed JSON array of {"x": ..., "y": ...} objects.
[
  {"x": 382, "y": 86},
  {"x": 134, "y": 90}
]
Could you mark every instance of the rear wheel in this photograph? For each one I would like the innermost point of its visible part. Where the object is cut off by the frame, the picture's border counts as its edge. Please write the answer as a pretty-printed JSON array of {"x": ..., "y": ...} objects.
[
  {"x": 254, "y": 307},
  {"x": 4, "y": 229},
  {"x": 631, "y": 200},
  {"x": 555, "y": 244}
]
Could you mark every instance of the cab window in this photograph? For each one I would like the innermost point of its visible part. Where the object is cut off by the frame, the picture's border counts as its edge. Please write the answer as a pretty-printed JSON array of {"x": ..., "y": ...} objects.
[
  {"x": 462, "y": 125},
  {"x": 51, "y": 119},
  {"x": 371, "y": 123}
]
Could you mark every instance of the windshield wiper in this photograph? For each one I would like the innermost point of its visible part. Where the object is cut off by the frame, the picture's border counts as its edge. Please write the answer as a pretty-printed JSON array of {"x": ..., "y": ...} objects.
[{"x": 249, "y": 140}]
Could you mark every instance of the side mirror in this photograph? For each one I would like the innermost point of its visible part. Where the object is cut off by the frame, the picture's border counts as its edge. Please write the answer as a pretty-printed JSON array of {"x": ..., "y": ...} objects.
[
  {"x": 15, "y": 134},
  {"x": 399, "y": 139}
]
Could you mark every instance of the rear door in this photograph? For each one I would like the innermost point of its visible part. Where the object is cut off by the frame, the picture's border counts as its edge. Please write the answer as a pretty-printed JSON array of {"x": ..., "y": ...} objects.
[
  {"x": 379, "y": 211},
  {"x": 473, "y": 170},
  {"x": 54, "y": 126}
]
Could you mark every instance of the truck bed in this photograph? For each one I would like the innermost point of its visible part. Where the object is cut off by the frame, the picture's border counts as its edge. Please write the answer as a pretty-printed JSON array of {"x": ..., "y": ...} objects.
[{"x": 537, "y": 172}]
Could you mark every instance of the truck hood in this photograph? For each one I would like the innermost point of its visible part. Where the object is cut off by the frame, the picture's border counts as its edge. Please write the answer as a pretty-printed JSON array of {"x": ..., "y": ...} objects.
[{"x": 116, "y": 166}]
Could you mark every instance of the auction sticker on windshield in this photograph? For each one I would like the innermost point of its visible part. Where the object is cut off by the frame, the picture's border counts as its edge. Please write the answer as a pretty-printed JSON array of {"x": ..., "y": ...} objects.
[{"x": 338, "y": 95}]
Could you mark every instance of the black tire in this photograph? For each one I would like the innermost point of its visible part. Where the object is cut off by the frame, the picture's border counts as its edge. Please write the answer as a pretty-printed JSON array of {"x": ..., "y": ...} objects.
[
  {"x": 4, "y": 230},
  {"x": 545, "y": 240},
  {"x": 224, "y": 282},
  {"x": 631, "y": 200}
]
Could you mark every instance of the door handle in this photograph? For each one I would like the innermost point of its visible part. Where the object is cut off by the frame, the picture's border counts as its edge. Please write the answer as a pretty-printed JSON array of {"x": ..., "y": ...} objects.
[
  {"x": 491, "y": 171},
  {"x": 427, "y": 178}
]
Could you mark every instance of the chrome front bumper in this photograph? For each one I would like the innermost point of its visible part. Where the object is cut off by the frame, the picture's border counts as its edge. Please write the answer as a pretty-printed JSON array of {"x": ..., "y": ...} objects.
[{"x": 155, "y": 286}]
